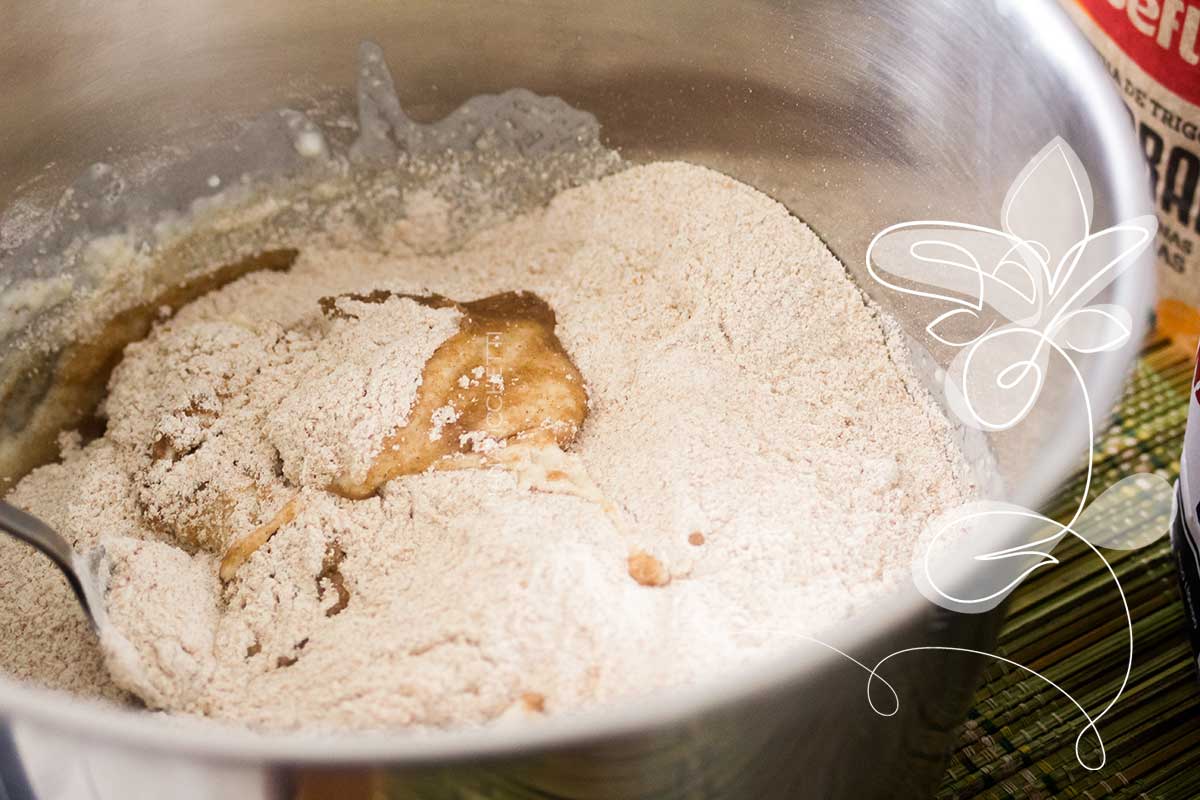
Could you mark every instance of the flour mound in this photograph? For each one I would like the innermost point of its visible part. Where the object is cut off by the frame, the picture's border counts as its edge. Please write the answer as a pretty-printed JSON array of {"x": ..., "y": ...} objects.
[{"x": 764, "y": 460}]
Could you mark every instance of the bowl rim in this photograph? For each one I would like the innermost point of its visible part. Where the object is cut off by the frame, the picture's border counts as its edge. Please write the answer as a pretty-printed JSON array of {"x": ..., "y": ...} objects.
[
  {"x": 94, "y": 721},
  {"x": 216, "y": 741}
]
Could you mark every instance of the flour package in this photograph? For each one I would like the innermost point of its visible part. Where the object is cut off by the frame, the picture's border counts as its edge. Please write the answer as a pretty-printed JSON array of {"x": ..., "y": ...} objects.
[{"x": 1152, "y": 51}]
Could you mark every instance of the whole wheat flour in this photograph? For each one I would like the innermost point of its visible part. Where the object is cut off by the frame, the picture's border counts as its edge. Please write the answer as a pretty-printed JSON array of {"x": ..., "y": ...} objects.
[{"x": 755, "y": 462}]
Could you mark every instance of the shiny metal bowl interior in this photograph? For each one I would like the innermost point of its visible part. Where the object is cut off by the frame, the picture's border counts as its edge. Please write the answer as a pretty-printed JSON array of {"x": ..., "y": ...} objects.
[{"x": 855, "y": 114}]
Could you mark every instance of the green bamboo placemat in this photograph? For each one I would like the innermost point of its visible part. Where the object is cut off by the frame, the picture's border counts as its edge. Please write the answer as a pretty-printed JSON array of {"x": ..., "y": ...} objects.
[{"x": 1067, "y": 622}]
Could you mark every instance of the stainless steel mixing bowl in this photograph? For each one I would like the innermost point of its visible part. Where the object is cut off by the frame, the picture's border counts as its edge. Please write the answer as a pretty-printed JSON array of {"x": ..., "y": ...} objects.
[{"x": 856, "y": 114}]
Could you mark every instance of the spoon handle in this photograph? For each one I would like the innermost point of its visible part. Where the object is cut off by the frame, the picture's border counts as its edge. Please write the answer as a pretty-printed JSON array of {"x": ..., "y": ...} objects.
[{"x": 33, "y": 531}]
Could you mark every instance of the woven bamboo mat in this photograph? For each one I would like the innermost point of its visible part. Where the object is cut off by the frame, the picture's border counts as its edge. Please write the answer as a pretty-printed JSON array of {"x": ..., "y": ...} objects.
[{"x": 1067, "y": 623}]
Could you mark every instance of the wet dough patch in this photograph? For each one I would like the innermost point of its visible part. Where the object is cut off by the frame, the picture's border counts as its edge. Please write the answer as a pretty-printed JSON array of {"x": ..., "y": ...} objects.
[
  {"x": 500, "y": 391},
  {"x": 503, "y": 378}
]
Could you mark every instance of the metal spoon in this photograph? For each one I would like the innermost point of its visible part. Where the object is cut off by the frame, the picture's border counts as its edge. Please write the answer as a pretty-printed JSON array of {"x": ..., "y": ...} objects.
[
  {"x": 84, "y": 571},
  {"x": 87, "y": 573}
]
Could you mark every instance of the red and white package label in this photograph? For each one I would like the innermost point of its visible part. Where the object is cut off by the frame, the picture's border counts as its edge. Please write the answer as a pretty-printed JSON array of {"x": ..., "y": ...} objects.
[{"x": 1152, "y": 51}]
